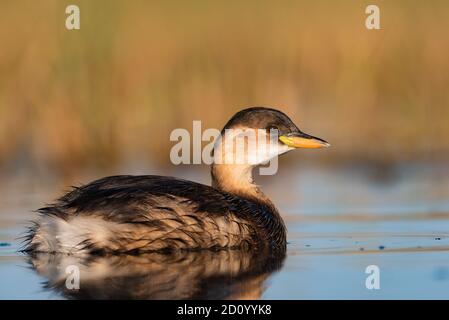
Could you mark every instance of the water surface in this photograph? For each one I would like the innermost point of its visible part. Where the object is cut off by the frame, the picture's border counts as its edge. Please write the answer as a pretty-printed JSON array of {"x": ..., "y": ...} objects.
[{"x": 340, "y": 220}]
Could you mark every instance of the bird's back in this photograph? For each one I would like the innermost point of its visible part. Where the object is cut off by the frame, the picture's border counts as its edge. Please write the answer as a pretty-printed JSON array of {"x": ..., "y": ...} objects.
[{"x": 144, "y": 213}]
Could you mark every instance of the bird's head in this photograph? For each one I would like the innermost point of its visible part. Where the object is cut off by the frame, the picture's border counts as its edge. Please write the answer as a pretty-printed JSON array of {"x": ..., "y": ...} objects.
[{"x": 256, "y": 135}]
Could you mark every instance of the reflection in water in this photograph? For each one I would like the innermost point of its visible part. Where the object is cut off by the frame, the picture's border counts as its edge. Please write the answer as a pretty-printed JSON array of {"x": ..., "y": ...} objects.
[
  {"x": 231, "y": 274},
  {"x": 345, "y": 228}
]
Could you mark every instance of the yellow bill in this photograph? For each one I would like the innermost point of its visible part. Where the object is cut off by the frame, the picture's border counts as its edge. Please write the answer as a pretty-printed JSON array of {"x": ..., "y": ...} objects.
[{"x": 303, "y": 140}]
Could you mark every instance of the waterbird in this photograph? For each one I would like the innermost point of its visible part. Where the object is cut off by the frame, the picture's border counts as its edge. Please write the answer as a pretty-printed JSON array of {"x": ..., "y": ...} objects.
[{"x": 149, "y": 213}]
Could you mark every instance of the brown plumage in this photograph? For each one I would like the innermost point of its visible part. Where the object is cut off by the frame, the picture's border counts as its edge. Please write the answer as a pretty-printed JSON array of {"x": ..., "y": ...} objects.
[{"x": 134, "y": 214}]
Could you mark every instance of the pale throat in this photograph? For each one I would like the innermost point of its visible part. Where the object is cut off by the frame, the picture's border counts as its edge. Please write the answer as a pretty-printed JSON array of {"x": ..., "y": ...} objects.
[{"x": 234, "y": 163}]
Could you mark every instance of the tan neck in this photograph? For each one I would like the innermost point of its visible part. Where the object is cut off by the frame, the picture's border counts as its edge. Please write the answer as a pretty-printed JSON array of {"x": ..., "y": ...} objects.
[{"x": 236, "y": 179}]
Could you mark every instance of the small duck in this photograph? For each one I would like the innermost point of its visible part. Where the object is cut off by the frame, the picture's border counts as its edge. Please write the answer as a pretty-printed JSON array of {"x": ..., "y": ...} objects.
[{"x": 147, "y": 213}]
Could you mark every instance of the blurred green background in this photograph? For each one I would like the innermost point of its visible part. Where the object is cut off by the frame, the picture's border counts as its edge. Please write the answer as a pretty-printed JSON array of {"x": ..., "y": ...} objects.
[{"x": 113, "y": 91}]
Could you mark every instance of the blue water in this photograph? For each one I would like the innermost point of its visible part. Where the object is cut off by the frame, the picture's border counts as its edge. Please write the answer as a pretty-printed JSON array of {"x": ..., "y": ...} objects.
[{"x": 340, "y": 220}]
